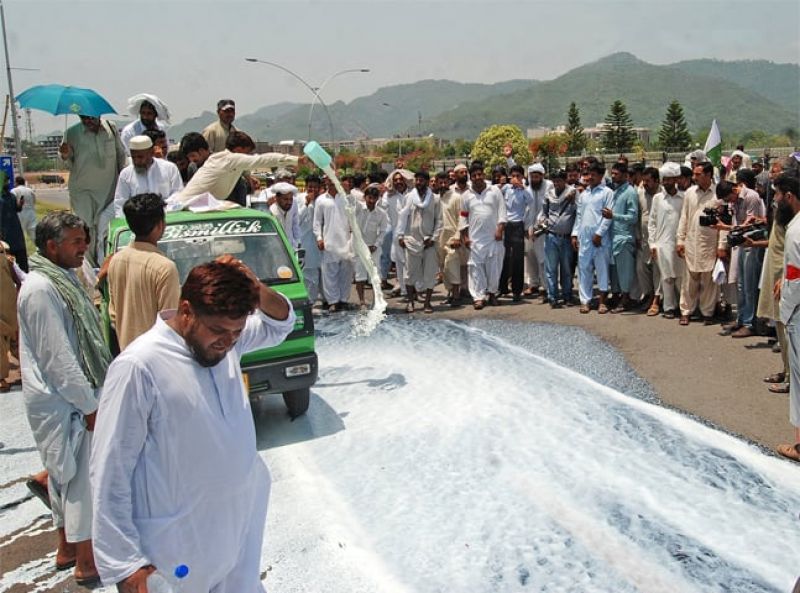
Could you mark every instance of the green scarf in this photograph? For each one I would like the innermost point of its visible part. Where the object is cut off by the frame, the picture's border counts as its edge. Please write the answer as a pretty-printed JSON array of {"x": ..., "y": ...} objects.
[{"x": 93, "y": 353}]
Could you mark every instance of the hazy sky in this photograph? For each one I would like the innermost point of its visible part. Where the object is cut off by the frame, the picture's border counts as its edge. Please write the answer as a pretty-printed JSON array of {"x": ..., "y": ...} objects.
[{"x": 191, "y": 53}]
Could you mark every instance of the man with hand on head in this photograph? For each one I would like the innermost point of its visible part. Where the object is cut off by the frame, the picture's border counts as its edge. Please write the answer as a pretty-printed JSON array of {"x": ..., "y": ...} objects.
[{"x": 176, "y": 477}]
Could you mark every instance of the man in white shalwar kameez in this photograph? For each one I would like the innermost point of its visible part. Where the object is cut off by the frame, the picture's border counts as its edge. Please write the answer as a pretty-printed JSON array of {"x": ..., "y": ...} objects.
[
  {"x": 306, "y": 206},
  {"x": 418, "y": 228},
  {"x": 393, "y": 201},
  {"x": 662, "y": 232},
  {"x": 591, "y": 238},
  {"x": 176, "y": 477},
  {"x": 284, "y": 209},
  {"x": 373, "y": 224},
  {"x": 483, "y": 221},
  {"x": 63, "y": 360},
  {"x": 542, "y": 190},
  {"x": 332, "y": 230}
]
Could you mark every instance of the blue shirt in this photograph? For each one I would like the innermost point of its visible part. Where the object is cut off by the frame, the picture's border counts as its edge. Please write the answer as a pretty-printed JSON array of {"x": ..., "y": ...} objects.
[{"x": 518, "y": 199}]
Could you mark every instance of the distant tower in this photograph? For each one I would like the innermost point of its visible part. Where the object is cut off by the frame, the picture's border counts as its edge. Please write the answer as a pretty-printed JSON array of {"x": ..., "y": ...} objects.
[{"x": 28, "y": 126}]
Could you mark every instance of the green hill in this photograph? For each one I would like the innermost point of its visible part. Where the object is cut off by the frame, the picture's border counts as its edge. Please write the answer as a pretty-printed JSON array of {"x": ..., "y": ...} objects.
[
  {"x": 780, "y": 83},
  {"x": 741, "y": 95},
  {"x": 646, "y": 89},
  {"x": 383, "y": 113}
]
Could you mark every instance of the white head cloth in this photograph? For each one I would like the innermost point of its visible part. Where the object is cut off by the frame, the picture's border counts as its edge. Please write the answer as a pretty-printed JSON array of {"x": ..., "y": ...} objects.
[{"x": 135, "y": 103}]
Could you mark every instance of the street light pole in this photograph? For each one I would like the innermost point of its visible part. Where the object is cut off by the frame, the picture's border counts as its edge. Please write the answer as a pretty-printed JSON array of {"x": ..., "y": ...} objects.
[
  {"x": 318, "y": 92},
  {"x": 17, "y": 142},
  {"x": 305, "y": 84}
]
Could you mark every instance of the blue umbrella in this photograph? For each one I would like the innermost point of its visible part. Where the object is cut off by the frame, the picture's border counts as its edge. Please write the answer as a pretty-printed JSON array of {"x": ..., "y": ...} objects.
[{"x": 59, "y": 99}]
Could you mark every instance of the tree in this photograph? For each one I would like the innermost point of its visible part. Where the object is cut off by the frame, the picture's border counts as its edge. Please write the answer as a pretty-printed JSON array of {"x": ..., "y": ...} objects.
[
  {"x": 576, "y": 139},
  {"x": 550, "y": 147},
  {"x": 488, "y": 146},
  {"x": 674, "y": 134},
  {"x": 618, "y": 135}
]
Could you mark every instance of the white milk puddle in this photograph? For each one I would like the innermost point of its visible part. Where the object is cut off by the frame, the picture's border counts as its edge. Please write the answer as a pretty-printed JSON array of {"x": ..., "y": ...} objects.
[
  {"x": 436, "y": 458},
  {"x": 463, "y": 463}
]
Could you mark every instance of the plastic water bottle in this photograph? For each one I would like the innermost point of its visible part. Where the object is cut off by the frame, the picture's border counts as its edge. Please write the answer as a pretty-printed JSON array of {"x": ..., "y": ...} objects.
[
  {"x": 158, "y": 582},
  {"x": 317, "y": 154}
]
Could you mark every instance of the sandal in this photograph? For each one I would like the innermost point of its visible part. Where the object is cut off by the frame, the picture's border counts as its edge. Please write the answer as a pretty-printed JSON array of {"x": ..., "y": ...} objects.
[
  {"x": 4, "y": 387},
  {"x": 603, "y": 309},
  {"x": 684, "y": 320},
  {"x": 478, "y": 305},
  {"x": 427, "y": 309},
  {"x": 410, "y": 307},
  {"x": 584, "y": 309},
  {"x": 789, "y": 451},
  {"x": 778, "y": 377},
  {"x": 617, "y": 309},
  {"x": 778, "y": 388},
  {"x": 652, "y": 311}
]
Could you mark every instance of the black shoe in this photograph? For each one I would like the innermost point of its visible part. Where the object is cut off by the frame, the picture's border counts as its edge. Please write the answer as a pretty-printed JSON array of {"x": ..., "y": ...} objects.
[
  {"x": 556, "y": 305},
  {"x": 517, "y": 297},
  {"x": 493, "y": 302},
  {"x": 38, "y": 491},
  {"x": 708, "y": 321}
]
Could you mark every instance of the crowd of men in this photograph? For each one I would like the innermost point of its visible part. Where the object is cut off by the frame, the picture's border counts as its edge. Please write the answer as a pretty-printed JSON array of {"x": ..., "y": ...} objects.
[{"x": 135, "y": 468}]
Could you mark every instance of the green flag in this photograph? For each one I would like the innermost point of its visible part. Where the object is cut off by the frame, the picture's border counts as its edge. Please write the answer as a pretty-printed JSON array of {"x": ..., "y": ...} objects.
[{"x": 713, "y": 147}]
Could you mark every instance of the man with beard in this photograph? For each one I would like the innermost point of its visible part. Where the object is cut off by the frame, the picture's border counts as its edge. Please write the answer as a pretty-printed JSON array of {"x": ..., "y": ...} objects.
[
  {"x": 453, "y": 254},
  {"x": 176, "y": 477},
  {"x": 392, "y": 202},
  {"x": 541, "y": 189},
  {"x": 145, "y": 175},
  {"x": 419, "y": 227},
  {"x": 482, "y": 223},
  {"x": 662, "y": 229},
  {"x": 284, "y": 209},
  {"x": 787, "y": 197},
  {"x": 147, "y": 121}
]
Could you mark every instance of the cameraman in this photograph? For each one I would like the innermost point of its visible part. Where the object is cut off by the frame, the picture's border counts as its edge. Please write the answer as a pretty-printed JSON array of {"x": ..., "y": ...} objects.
[{"x": 747, "y": 209}]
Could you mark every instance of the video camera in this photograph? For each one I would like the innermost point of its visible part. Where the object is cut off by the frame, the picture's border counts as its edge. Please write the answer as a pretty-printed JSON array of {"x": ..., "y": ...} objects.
[
  {"x": 755, "y": 232},
  {"x": 712, "y": 216}
]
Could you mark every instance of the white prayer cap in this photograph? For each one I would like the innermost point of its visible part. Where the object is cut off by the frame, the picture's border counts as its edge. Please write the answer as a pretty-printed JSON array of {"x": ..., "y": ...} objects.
[
  {"x": 460, "y": 167},
  {"x": 670, "y": 170},
  {"x": 140, "y": 143},
  {"x": 283, "y": 188},
  {"x": 536, "y": 168}
]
